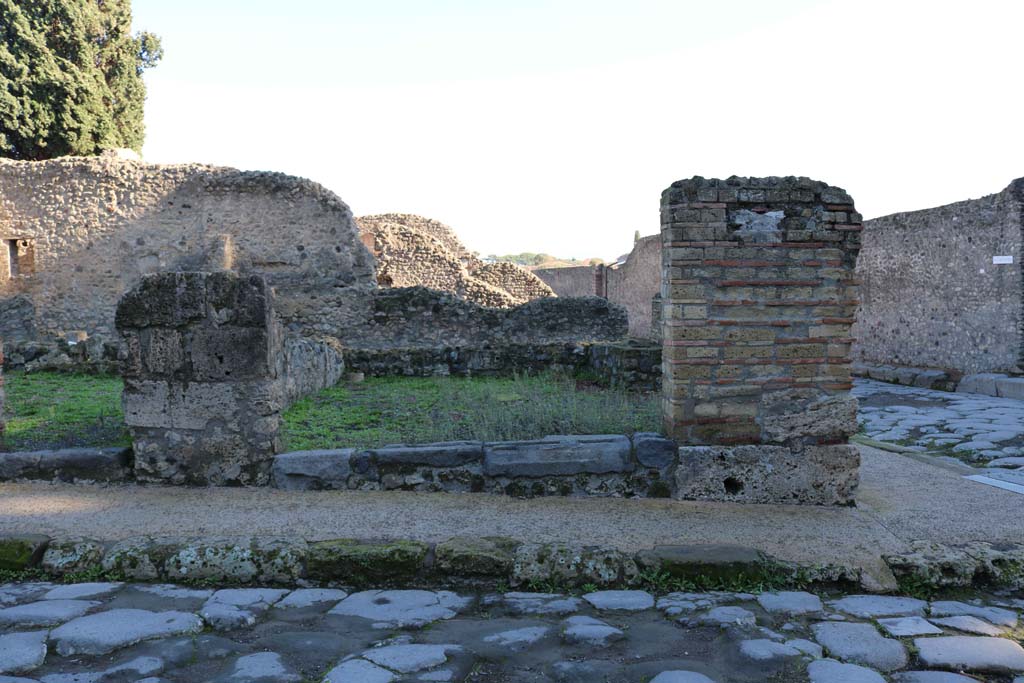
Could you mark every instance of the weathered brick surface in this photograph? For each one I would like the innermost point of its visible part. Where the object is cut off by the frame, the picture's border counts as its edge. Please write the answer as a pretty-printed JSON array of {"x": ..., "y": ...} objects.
[
  {"x": 207, "y": 374},
  {"x": 758, "y": 296}
]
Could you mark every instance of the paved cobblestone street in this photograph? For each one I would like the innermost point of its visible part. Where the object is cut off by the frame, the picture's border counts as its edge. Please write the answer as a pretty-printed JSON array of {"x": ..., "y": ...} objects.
[{"x": 100, "y": 632}]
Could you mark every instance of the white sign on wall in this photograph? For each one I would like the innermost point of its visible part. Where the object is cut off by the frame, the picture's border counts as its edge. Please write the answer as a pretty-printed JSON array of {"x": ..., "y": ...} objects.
[{"x": 1002, "y": 260}]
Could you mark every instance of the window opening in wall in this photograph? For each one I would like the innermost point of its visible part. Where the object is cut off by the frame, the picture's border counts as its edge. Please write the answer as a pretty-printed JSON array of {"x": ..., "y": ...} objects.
[{"x": 21, "y": 257}]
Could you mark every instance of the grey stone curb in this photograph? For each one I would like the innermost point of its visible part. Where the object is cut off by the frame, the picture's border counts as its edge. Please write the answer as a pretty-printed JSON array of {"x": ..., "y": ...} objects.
[
  {"x": 490, "y": 561},
  {"x": 68, "y": 465},
  {"x": 923, "y": 378},
  {"x": 459, "y": 561}
]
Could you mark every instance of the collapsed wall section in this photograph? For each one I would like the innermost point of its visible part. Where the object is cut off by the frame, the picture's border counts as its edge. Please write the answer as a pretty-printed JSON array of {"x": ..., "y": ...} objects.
[
  {"x": 207, "y": 374},
  {"x": 758, "y": 298},
  {"x": 944, "y": 287}
]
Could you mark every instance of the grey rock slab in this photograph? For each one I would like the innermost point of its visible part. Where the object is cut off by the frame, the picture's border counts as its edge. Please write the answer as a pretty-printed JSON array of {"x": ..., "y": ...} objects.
[
  {"x": 519, "y": 638},
  {"x": 249, "y": 597},
  {"x": 728, "y": 616},
  {"x": 173, "y": 592},
  {"x": 446, "y": 454},
  {"x": 995, "y": 615},
  {"x": 624, "y": 600},
  {"x": 409, "y": 657},
  {"x": 971, "y": 653},
  {"x": 261, "y": 667},
  {"x": 359, "y": 671},
  {"x": 930, "y": 677},
  {"x": 806, "y": 646},
  {"x": 14, "y": 593},
  {"x": 401, "y": 608},
  {"x": 44, "y": 612},
  {"x": 18, "y": 679},
  {"x": 873, "y": 606},
  {"x": 655, "y": 451},
  {"x": 1010, "y": 462},
  {"x": 541, "y": 603},
  {"x": 105, "y": 632},
  {"x": 590, "y": 631},
  {"x": 860, "y": 644},
  {"x": 81, "y": 591},
  {"x": 312, "y": 470},
  {"x": 763, "y": 650},
  {"x": 22, "y": 652},
  {"x": 831, "y": 671},
  {"x": 310, "y": 597},
  {"x": 902, "y": 627},
  {"x": 790, "y": 602},
  {"x": 681, "y": 677},
  {"x": 969, "y": 624},
  {"x": 558, "y": 456},
  {"x": 439, "y": 676},
  {"x": 225, "y": 617}
]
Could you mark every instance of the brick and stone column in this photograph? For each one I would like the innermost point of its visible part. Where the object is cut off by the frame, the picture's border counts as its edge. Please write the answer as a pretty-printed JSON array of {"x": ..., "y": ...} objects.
[
  {"x": 202, "y": 395},
  {"x": 758, "y": 298}
]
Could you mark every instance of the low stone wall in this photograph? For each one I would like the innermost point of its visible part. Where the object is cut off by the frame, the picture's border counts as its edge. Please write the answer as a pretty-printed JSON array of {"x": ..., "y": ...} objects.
[
  {"x": 92, "y": 355},
  {"x": 73, "y": 465},
  {"x": 601, "y": 465},
  {"x": 570, "y": 280},
  {"x": 207, "y": 375},
  {"x": 626, "y": 365},
  {"x": 416, "y": 317},
  {"x": 924, "y": 378}
]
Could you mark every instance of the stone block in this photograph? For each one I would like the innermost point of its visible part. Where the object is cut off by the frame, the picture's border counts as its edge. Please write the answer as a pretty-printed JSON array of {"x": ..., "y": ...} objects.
[
  {"x": 230, "y": 354},
  {"x": 313, "y": 470},
  {"x": 365, "y": 562},
  {"x": 243, "y": 302},
  {"x": 146, "y": 403},
  {"x": 72, "y": 555},
  {"x": 807, "y": 416},
  {"x": 713, "y": 560},
  {"x": 655, "y": 451},
  {"x": 811, "y": 475},
  {"x": 471, "y": 556},
  {"x": 447, "y": 454},
  {"x": 22, "y": 551},
  {"x": 1011, "y": 387},
  {"x": 163, "y": 300},
  {"x": 85, "y": 464},
  {"x": 558, "y": 456},
  {"x": 980, "y": 383}
]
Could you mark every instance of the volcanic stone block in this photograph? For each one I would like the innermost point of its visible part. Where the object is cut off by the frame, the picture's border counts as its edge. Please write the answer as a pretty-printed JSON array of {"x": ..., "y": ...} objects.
[
  {"x": 313, "y": 470},
  {"x": 557, "y": 456},
  {"x": 809, "y": 475},
  {"x": 447, "y": 454}
]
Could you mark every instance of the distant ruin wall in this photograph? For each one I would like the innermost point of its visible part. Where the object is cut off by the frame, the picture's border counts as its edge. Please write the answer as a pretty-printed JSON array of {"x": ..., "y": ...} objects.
[
  {"x": 417, "y": 317},
  {"x": 76, "y": 233},
  {"x": 570, "y": 281},
  {"x": 931, "y": 294},
  {"x": 634, "y": 283}
]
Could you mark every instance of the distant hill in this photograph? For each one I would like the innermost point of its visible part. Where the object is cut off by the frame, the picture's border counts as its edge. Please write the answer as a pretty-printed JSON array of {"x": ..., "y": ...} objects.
[{"x": 532, "y": 260}]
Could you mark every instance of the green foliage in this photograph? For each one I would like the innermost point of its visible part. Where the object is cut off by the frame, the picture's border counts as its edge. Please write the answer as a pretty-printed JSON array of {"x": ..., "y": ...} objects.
[
  {"x": 386, "y": 410},
  {"x": 71, "y": 77},
  {"x": 58, "y": 410}
]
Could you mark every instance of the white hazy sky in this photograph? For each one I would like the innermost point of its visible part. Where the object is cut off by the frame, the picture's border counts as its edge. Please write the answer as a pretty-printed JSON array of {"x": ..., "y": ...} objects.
[{"x": 531, "y": 125}]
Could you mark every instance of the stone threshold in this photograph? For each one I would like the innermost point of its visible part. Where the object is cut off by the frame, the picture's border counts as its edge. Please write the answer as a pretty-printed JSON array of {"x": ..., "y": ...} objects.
[{"x": 494, "y": 562}]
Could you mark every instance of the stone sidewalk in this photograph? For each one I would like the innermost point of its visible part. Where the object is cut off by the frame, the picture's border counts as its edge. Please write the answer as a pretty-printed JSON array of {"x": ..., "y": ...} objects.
[
  {"x": 158, "y": 633},
  {"x": 902, "y": 500}
]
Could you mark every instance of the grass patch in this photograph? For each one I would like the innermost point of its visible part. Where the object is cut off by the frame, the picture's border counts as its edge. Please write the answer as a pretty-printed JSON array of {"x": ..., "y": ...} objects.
[
  {"x": 387, "y": 410},
  {"x": 58, "y": 410}
]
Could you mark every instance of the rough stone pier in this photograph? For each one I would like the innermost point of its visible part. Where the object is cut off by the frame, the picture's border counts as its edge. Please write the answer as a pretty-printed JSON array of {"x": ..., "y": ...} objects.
[{"x": 758, "y": 299}]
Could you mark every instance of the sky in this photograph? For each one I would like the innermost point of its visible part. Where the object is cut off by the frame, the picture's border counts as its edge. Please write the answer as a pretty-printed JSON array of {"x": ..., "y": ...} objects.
[{"x": 553, "y": 126}]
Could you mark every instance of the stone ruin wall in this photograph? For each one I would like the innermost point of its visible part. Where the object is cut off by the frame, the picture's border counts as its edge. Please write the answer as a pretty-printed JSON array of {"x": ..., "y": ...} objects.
[
  {"x": 570, "y": 280},
  {"x": 758, "y": 298},
  {"x": 932, "y": 296},
  {"x": 415, "y": 251},
  {"x": 634, "y": 283},
  {"x": 97, "y": 225}
]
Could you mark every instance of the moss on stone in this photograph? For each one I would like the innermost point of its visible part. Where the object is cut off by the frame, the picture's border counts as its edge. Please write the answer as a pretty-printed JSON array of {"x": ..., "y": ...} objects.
[
  {"x": 469, "y": 556},
  {"x": 21, "y": 552},
  {"x": 365, "y": 563}
]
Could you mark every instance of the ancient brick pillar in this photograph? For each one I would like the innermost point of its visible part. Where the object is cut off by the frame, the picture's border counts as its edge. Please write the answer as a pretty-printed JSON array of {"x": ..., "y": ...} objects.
[
  {"x": 203, "y": 396},
  {"x": 758, "y": 298}
]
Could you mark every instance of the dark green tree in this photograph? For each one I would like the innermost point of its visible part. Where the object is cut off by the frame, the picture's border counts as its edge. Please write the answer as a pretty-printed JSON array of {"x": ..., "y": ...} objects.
[{"x": 71, "y": 77}]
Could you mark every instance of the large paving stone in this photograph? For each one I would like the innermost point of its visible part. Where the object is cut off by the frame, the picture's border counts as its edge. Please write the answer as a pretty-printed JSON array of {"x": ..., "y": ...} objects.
[
  {"x": 541, "y": 603},
  {"x": 995, "y": 615},
  {"x": 22, "y": 652},
  {"x": 930, "y": 677},
  {"x": 81, "y": 591},
  {"x": 44, "y": 612},
  {"x": 902, "y": 627},
  {"x": 105, "y": 632},
  {"x": 15, "y": 593},
  {"x": 583, "y": 630},
  {"x": 790, "y": 602},
  {"x": 401, "y": 608},
  {"x": 310, "y": 597},
  {"x": 873, "y": 606},
  {"x": 622, "y": 600},
  {"x": 971, "y": 653},
  {"x": 831, "y": 671},
  {"x": 765, "y": 650},
  {"x": 558, "y": 456},
  {"x": 681, "y": 677},
  {"x": 260, "y": 667},
  {"x": 969, "y": 624},
  {"x": 410, "y": 657},
  {"x": 359, "y": 671},
  {"x": 729, "y": 615},
  {"x": 519, "y": 638},
  {"x": 860, "y": 644}
]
